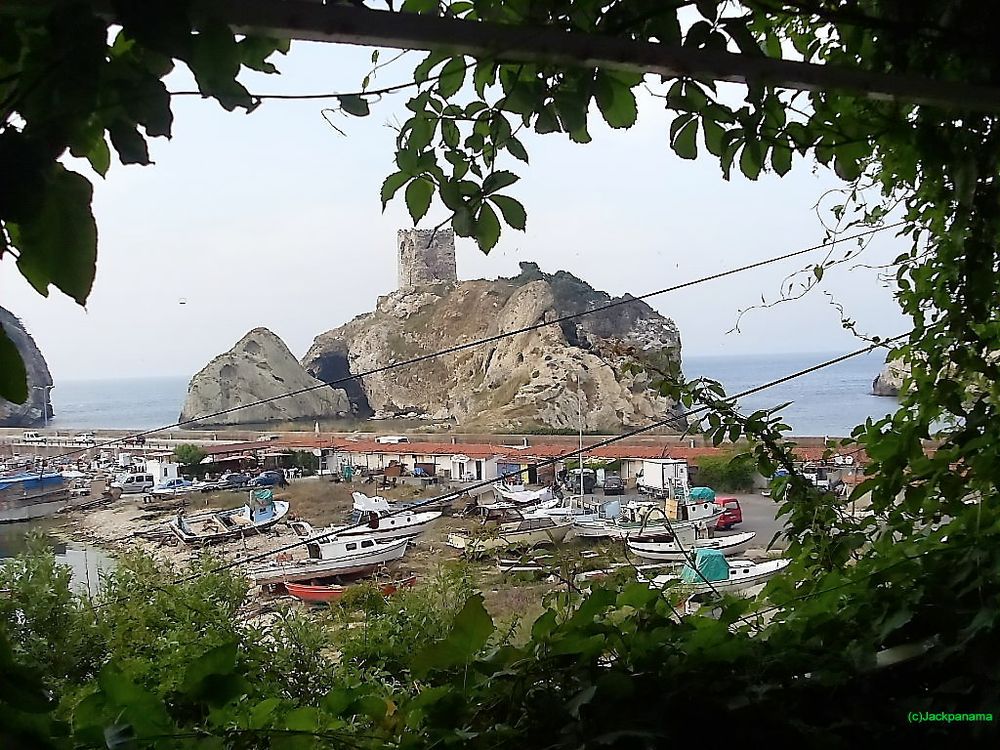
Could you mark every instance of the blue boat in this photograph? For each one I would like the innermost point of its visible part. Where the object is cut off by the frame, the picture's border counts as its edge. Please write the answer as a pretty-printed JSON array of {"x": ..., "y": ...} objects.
[{"x": 27, "y": 495}]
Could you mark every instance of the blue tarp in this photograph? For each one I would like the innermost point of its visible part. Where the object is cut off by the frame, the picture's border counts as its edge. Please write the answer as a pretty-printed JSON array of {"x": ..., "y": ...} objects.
[
  {"x": 711, "y": 565},
  {"x": 703, "y": 493}
]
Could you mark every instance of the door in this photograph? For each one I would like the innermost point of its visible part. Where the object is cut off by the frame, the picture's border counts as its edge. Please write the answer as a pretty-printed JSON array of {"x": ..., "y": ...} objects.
[{"x": 479, "y": 470}]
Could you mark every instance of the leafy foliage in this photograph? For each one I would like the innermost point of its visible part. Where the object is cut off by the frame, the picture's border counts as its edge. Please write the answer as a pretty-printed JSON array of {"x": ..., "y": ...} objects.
[
  {"x": 69, "y": 85},
  {"x": 189, "y": 455}
]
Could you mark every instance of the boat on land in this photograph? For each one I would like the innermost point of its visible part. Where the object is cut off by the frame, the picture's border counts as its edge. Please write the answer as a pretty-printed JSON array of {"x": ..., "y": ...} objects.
[
  {"x": 712, "y": 572},
  {"x": 25, "y": 495},
  {"x": 261, "y": 512},
  {"x": 372, "y": 518},
  {"x": 521, "y": 497},
  {"x": 527, "y": 532},
  {"x": 337, "y": 557},
  {"x": 321, "y": 594},
  {"x": 683, "y": 546},
  {"x": 652, "y": 518},
  {"x": 579, "y": 508}
]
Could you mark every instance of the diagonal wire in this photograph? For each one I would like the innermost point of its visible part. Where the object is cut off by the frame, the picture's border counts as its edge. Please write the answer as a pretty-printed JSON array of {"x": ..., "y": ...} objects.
[{"x": 480, "y": 342}]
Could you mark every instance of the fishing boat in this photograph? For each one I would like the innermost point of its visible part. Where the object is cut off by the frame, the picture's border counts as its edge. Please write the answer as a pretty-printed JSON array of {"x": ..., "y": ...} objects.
[
  {"x": 379, "y": 520},
  {"x": 522, "y": 496},
  {"x": 336, "y": 557},
  {"x": 681, "y": 547},
  {"x": 712, "y": 572},
  {"x": 321, "y": 594},
  {"x": 645, "y": 518},
  {"x": 261, "y": 512},
  {"x": 25, "y": 495},
  {"x": 579, "y": 508},
  {"x": 527, "y": 532}
]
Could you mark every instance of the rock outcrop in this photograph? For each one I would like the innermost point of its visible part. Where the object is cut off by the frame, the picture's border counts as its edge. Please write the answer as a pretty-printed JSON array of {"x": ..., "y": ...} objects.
[
  {"x": 890, "y": 380},
  {"x": 260, "y": 366},
  {"x": 542, "y": 378},
  {"x": 32, "y": 411}
]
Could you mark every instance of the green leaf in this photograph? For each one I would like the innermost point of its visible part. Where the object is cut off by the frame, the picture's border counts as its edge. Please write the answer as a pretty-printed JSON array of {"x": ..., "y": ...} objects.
[
  {"x": 498, "y": 181},
  {"x": 219, "y": 660},
  {"x": 392, "y": 185},
  {"x": 487, "y": 228},
  {"x": 128, "y": 142},
  {"x": 616, "y": 101},
  {"x": 516, "y": 149},
  {"x": 422, "y": 72},
  {"x": 450, "y": 133},
  {"x": 781, "y": 158},
  {"x": 13, "y": 377},
  {"x": 418, "y": 197},
  {"x": 685, "y": 143},
  {"x": 470, "y": 631},
  {"x": 58, "y": 242},
  {"x": 512, "y": 210},
  {"x": 452, "y": 77},
  {"x": 100, "y": 157},
  {"x": 354, "y": 105},
  {"x": 846, "y": 168},
  {"x": 750, "y": 161}
]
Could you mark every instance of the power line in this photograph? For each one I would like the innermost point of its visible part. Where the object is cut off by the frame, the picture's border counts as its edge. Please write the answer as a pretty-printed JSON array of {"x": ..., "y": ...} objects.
[
  {"x": 480, "y": 342},
  {"x": 547, "y": 462}
]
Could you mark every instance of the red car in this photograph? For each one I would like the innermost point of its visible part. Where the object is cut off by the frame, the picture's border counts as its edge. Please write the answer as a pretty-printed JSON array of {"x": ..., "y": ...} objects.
[{"x": 732, "y": 514}]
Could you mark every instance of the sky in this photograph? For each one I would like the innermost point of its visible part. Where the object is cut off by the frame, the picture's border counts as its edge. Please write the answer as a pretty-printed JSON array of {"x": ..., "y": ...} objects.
[{"x": 274, "y": 219}]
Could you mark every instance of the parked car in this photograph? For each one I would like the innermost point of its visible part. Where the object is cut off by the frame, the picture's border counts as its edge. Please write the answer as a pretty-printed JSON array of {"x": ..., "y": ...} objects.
[
  {"x": 732, "y": 513},
  {"x": 85, "y": 437},
  {"x": 173, "y": 486},
  {"x": 233, "y": 480},
  {"x": 269, "y": 479},
  {"x": 132, "y": 483},
  {"x": 572, "y": 481},
  {"x": 614, "y": 485},
  {"x": 32, "y": 437}
]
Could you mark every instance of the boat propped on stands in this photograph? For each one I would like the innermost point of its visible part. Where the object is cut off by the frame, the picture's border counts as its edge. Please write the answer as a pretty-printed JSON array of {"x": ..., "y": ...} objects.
[{"x": 372, "y": 518}]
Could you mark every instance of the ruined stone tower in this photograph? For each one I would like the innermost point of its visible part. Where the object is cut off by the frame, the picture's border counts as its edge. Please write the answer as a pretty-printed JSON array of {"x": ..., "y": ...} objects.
[{"x": 423, "y": 260}]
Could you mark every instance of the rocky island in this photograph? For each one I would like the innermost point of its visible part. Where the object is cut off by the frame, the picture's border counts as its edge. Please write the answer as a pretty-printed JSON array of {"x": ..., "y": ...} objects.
[
  {"x": 550, "y": 377},
  {"x": 32, "y": 411}
]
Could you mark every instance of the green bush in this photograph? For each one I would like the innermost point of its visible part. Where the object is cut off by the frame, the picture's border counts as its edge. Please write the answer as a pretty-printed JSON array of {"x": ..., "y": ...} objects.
[{"x": 726, "y": 473}]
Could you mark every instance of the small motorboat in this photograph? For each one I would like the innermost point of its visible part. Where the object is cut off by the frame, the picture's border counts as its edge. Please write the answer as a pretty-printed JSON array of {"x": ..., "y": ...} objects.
[
  {"x": 712, "y": 572},
  {"x": 261, "y": 512},
  {"x": 528, "y": 532},
  {"x": 679, "y": 549},
  {"x": 319, "y": 594},
  {"x": 372, "y": 518},
  {"x": 641, "y": 519},
  {"x": 327, "y": 559}
]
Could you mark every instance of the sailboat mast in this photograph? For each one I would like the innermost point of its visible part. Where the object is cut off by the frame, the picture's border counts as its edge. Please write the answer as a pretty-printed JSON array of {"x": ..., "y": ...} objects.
[{"x": 579, "y": 403}]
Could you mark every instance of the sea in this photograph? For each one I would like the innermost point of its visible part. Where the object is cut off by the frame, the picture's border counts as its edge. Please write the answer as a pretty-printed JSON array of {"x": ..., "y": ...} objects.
[{"x": 829, "y": 402}]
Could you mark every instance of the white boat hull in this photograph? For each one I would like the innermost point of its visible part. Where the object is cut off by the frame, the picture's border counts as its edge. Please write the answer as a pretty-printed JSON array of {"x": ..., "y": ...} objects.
[
  {"x": 674, "y": 552},
  {"x": 531, "y": 538},
  {"x": 205, "y": 528},
  {"x": 743, "y": 574},
  {"x": 364, "y": 561},
  {"x": 402, "y": 526}
]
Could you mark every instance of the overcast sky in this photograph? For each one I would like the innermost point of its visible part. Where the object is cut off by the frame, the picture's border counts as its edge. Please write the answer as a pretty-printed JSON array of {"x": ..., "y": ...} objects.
[{"x": 273, "y": 219}]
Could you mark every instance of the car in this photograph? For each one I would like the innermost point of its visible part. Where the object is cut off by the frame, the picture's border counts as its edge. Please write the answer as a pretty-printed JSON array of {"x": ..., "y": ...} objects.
[
  {"x": 614, "y": 485},
  {"x": 268, "y": 479},
  {"x": 133, "y": 483},
  {"x": 173, "y": 486},
  {"x": 732, "y": 513},
  {"x": 85, "y": 437},
  {"x": 233, "y": 480}
]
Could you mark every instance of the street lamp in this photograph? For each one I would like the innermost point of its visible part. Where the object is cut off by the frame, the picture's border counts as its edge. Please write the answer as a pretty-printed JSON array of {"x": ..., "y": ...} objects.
[{"x": 45, "y": 404}]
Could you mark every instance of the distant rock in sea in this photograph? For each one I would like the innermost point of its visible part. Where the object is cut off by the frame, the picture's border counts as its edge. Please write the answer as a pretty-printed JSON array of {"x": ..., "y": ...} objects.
[
  {"x": 259, "y": 367},
  {"x": 32, "y": 411},
  {"x": 890, "y": 381}
]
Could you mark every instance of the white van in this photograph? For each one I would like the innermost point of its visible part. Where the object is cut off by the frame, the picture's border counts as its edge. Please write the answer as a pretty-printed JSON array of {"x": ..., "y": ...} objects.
[
  {"x": 32, "y": 437},
  {"x": 132, "y": 483}
]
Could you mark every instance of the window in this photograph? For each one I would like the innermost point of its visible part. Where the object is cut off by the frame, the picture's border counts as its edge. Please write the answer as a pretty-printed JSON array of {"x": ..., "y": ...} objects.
[
  {"x": 368, "y": 543},
  {"x": 352, "y": 546}
]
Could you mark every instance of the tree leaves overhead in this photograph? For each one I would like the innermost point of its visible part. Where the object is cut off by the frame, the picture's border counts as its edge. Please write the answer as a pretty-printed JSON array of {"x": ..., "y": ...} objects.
[{"x": 58, "y": 242}]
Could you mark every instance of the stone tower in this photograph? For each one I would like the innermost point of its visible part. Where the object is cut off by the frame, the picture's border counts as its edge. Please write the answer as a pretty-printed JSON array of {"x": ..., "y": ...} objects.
[{"x": 425, "y": 257}]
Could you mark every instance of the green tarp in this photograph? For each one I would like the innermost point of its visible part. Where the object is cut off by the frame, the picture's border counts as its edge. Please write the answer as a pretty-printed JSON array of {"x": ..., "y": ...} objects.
[
  {"x": 711, "y": 565},
  {"x": 703, "y": 493}
]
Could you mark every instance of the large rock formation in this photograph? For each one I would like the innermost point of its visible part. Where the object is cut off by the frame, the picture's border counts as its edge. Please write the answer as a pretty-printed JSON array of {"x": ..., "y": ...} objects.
[
  {"x": 260, "y": 366},
  {"x": 32, "y": 411},
  {"x": 537, "y": 379},
  {"x": 890, "y": 381}
]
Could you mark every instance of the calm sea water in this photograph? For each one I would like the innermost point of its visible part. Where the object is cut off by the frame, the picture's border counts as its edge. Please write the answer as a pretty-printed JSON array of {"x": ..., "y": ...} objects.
[{"x": 829, "y": 402}]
